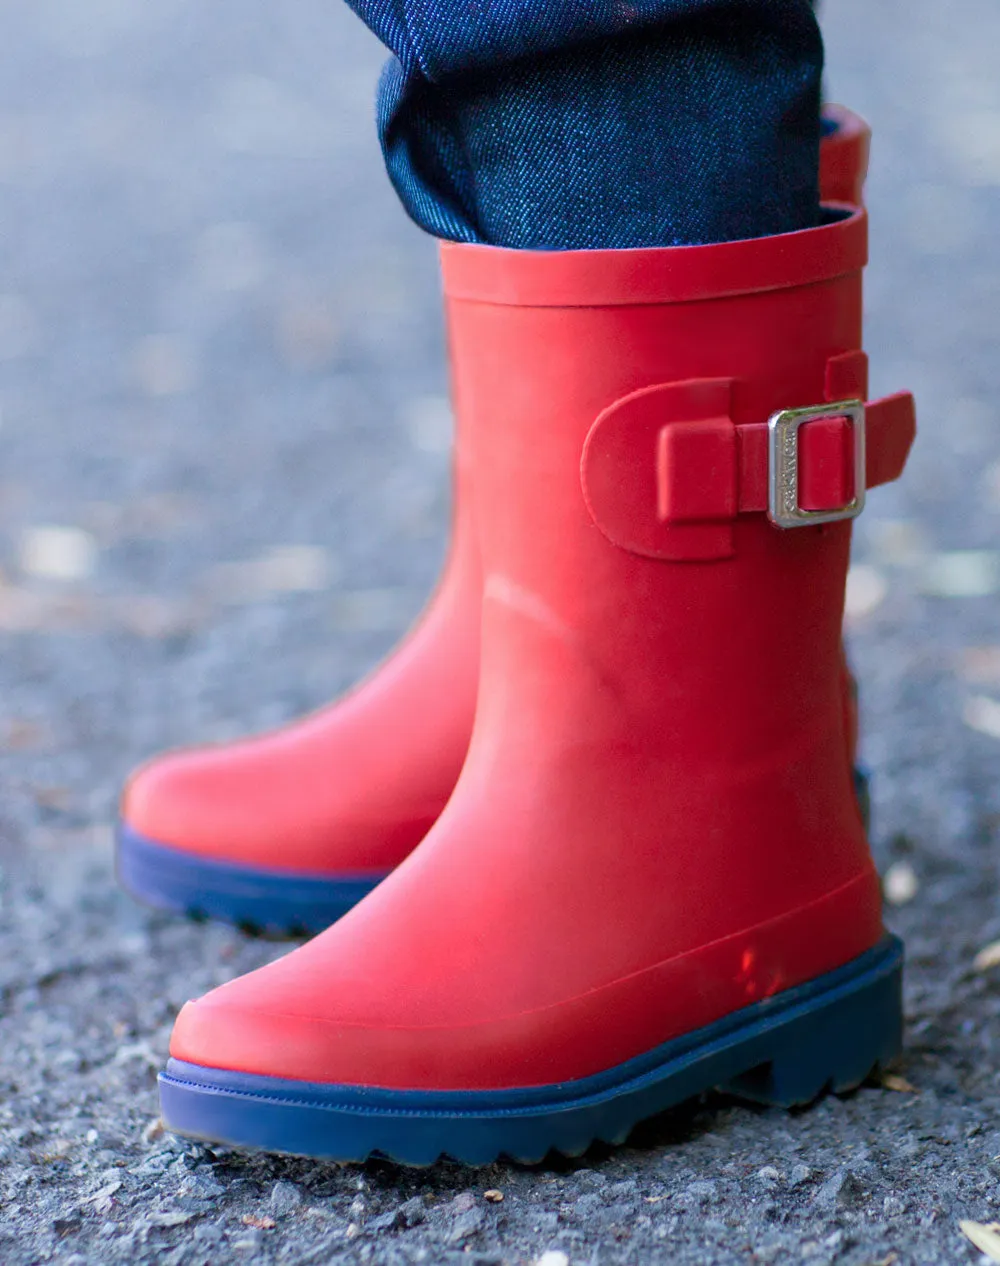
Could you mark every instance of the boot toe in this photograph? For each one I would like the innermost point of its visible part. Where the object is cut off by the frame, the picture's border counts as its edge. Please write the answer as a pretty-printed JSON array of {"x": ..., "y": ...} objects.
[
  {"x": 187, "y": 800},
  {"x": 250, "y": 1026}
]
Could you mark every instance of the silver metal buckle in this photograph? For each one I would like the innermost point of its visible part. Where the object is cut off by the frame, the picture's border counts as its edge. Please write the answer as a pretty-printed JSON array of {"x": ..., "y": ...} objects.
[{"x": 783, "y": 464}]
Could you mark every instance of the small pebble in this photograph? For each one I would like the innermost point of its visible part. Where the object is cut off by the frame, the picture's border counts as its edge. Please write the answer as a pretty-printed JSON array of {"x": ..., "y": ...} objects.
[
  {"x": 900, "y": 884},
  {"x": 205, "y": 1185},
  {"x": 250, "y": 1242},
  {"x": 981, "y": 713},
  {"x": 104, "y": 1194},
  {"x": 285, "y": 1196},
  {"x": 463, "y": 1202},
  {"x": 386, "y": 1221},
  {"x": 466, "y": 1225},
  {"x": 841, "y": 1191},
  {"x": 866, "y": 590},
  {"x": 208, "y": 1232},
  {"x": 153, "y": 1131},
  {"x": 413, "y": 1212},
  {"x": 169, "y": 1218},
  {"x": 258, "y": 1223},
  {"x": 57, "y": 553}
]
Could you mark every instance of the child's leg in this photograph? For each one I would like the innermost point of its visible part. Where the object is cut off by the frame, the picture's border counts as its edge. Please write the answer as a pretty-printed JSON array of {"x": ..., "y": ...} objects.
[{"x": 560, "y": 125}]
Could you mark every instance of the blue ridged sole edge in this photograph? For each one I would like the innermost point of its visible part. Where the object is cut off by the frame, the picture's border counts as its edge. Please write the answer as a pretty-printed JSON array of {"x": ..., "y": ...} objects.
[
  {"x": 827, "y": 1034},
  {"x": 258, "y": 900}
]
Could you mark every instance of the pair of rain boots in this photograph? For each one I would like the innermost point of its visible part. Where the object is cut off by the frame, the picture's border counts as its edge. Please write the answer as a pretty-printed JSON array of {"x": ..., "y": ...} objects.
[
  {"x": 652, "y": 876},
  {"x": 286, "y": 831}
]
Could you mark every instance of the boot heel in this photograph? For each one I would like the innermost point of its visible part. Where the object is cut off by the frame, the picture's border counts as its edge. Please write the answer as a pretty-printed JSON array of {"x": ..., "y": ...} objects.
[{"x": 834, "y": 1047}]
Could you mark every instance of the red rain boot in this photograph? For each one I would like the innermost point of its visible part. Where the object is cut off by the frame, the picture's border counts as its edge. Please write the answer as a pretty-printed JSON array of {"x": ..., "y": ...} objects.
[
  {"x": 288, "y": 830},
  {"x": 652, "y": 877}
]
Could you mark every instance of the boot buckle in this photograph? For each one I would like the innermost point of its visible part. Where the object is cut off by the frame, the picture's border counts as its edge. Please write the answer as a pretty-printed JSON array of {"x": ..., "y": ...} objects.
[{"x": 783, "y": 427}]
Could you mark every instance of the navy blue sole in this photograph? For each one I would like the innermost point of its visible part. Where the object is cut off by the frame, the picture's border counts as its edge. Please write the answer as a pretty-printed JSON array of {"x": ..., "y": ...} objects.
[
  {"x": 827, "y": 1034},
  {"x": 277, "y": 902}
]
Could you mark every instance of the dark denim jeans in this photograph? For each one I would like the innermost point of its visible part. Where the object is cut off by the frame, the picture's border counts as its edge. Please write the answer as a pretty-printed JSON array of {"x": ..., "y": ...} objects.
[{"x": 561, "y": 124}]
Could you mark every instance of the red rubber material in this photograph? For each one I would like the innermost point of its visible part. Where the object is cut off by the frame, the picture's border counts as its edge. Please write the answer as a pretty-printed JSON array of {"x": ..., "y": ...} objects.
[
  {"x": 709, "y": 468},
  {"x": 650, "y": 276},
  {"x": 655, "y": 825},
  {"x": 354, "y": 787},
  {"x": 844, "y": 155}
]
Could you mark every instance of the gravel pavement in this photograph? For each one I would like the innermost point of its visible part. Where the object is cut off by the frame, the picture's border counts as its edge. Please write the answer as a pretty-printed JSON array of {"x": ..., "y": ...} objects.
[{"x": 223, "y": 494}]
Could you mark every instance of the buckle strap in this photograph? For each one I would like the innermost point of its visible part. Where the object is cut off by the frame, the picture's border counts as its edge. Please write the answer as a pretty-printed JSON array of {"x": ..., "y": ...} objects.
[
  {"x": 666, "y": 471},
  {"x": 827, "y": 477}
]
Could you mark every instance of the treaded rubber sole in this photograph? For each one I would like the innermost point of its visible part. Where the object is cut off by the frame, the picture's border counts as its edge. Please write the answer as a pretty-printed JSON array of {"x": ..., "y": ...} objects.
[
  {"x": 259, "y": 901},
  {"x": 827, "y": 1034}
]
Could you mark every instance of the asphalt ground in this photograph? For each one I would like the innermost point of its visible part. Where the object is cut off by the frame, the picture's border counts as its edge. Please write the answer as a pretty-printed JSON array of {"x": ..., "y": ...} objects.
[{"x": 223, "y": 495}]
